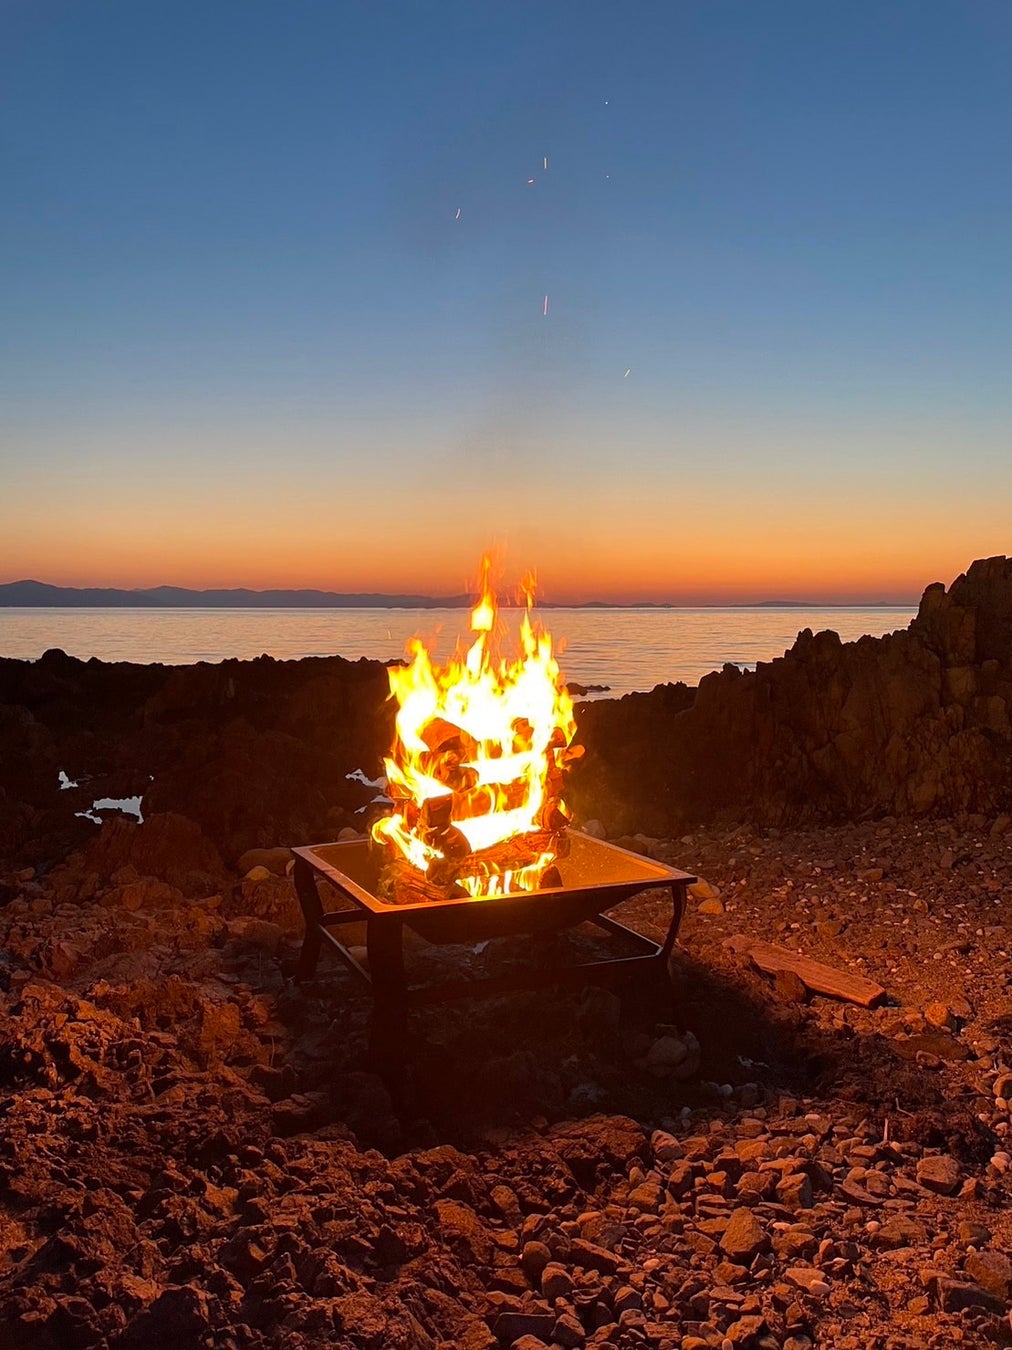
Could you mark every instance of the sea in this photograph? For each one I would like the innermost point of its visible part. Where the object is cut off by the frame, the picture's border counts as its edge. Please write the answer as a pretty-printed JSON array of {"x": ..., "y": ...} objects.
[{"x": 622, "y": 649}]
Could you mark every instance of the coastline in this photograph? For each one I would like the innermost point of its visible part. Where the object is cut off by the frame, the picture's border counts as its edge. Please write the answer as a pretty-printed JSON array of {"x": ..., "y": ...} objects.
[{"x": 199, "y": 1148}]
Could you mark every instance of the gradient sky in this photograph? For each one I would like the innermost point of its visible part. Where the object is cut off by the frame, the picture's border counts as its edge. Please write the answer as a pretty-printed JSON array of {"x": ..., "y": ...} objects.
[{"x": 245, "y": 341}]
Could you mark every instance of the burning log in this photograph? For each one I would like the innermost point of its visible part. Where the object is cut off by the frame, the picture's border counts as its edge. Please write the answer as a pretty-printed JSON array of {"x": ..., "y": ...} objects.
[
  {"x": 520, "y": 851},
  {"x": 496, "y": 734}
]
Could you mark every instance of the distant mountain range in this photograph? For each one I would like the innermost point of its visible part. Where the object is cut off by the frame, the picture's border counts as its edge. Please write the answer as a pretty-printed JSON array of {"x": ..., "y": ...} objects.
[
  {"x": 40, "y": 595},
  {"x": 37, "y": 594}
]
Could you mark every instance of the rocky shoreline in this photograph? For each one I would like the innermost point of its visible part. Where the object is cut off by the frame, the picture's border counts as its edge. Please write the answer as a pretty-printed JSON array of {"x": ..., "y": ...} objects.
[{"x": 195, "y": 1150}]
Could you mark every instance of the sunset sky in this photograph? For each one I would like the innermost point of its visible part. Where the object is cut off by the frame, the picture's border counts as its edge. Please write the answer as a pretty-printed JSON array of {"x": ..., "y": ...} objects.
[{"x": 246, "y": 340}]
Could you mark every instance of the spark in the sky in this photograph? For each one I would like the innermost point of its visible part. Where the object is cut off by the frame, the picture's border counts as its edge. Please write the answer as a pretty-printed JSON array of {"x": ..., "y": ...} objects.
[
  {"x": 457, "y": 216},
  {"x": 546, "y": 307}
]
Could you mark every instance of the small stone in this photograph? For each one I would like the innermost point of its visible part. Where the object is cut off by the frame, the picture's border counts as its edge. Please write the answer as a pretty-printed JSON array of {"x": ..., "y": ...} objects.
[
  {"x": 939, "y": 1172},
  {"x": 973, "y": 1234},
  {"x": 940, "y": 1016},
  {"x": 745, "y": 1332},
  {"x": 595, "y": 829},
  {"x": 680, "y": 1178},
  {"x": 703, "y": 890},
  {"x": 665, "y": 1147},
  {"x": 690, "y": 1064},
  {"x": 258, "y": 874},
  {"x": 755, "y": 1186},
  {"x": 954, "y": 1295},
  {"x": 795, "y": 1191},
  {"x": 919, "y": 1305},
  {"x": 809, "y": 1279},
  {"x": 534, "y": 1258},
  {"x": 646, "y": 1196},
  {"x": 744, "y": 1238},
  {"x": 712, "y": 906},
  {"x": 627, "y": 1297},
  {"x": 568, "y": 1331},
  {"x": 789, "y": 987},
  {"x": 275, "y": 860},
  {"x": 726, "y": 1272},
  {"x": 343, "y": 836},
  {"x": 534, "y": 1328},
  {"x": 556, "y": 1282},
  {"x": 900, "y": 1231},
  {"x": 667, "y": 1052},
  {"x": 992, "y": 1271},
  {"x": 592, "y": 1257}
]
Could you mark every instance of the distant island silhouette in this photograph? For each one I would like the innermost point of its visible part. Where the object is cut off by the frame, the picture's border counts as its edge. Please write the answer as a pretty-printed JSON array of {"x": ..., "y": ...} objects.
[{"x": 41, "y": 595}]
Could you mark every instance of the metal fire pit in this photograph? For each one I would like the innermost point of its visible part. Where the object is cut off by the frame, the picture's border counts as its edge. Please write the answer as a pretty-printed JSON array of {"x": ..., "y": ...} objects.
[{"x": 596, "y": 876}]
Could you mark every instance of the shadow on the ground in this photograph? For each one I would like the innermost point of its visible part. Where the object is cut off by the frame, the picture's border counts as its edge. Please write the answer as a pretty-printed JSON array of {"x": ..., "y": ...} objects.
[{"x": 475, "y": 1068}]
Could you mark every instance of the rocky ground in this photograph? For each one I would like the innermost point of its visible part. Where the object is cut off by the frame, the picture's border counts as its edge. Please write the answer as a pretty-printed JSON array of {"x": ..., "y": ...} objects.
[{"x": 194, "y": 1152}]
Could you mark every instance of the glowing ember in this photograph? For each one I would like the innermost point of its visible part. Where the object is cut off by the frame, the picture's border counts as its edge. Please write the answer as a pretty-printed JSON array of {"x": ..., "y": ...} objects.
[{"x": 475, "y": 772}]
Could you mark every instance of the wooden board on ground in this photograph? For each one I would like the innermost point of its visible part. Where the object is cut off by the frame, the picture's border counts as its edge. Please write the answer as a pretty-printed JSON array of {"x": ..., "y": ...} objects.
[{"x": 821, "y": 979}]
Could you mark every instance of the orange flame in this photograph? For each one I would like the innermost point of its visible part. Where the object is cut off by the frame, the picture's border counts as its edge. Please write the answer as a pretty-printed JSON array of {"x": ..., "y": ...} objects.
[{"x": 476, "y": 766}]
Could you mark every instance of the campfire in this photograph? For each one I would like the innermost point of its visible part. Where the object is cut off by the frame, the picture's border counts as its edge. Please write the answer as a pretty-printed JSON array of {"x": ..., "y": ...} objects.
[{"x": 475, "y": 773}]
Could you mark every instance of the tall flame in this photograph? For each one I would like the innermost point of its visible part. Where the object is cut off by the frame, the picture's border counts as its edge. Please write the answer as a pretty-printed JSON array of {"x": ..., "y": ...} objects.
[{"x": 476, "y": 766}]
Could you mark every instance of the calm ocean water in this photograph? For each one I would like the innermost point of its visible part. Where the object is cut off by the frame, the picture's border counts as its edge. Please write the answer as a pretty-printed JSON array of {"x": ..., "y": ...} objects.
[{"x": 626, "y": 649}]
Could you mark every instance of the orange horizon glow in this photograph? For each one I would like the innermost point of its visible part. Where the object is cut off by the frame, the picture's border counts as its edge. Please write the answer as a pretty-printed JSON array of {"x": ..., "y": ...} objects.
[
  {"x": 619, "y": 545},
  {"x": 695, "y": 581}
]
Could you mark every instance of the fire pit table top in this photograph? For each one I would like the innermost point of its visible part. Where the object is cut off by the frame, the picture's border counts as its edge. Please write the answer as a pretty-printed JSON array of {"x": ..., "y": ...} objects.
[
  {"x": 592, "y": 866},
  {"x": 595, "y": 876}
]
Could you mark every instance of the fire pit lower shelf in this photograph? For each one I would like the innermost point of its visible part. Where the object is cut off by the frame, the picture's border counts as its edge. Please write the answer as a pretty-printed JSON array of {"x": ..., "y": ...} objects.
[{"x": 596, "y": 876}]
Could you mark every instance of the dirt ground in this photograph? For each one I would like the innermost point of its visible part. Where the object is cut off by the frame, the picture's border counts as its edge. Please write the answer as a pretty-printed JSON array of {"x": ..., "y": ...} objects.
[{"x": 194, "y": 1149}]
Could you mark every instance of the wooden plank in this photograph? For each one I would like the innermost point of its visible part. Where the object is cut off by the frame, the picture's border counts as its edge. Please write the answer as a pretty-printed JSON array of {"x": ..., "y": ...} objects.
[{"x": 821, "y": 979}]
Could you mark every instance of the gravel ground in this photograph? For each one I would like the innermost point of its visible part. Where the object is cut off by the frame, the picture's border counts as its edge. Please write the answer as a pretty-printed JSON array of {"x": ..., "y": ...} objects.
[{"x": 193, "y": 1150}]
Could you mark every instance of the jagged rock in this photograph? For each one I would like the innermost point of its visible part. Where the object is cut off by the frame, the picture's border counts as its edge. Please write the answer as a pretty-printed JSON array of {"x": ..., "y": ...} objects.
[
  {"x": 169, "y": 847},
  {"x": 744, "y": 1237},
  {"x": 939, "y": 1173},
  {"x": 992, "y": 1271}
]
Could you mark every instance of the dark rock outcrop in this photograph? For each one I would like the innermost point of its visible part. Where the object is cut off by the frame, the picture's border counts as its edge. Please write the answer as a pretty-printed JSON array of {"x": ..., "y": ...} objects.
[
  {"x": 917, "y": 721},
  {"x": 254, "y": 753},
  {"x": 257, "y": 753}
]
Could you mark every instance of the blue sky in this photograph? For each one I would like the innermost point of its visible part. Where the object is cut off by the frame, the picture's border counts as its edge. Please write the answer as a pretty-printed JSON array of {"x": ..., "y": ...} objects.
[{"x": 238, "y": 305}]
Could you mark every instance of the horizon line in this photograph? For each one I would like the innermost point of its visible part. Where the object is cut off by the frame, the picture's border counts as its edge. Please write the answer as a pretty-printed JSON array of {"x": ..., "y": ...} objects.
[{"x": 393, "y": 600}]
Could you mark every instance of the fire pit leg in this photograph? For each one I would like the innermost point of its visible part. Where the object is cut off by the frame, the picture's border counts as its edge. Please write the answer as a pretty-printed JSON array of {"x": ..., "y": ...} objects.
[
  {"x": 673, "y": 976},
  {"x": 388, "y": 1030},
  {"x": 678, "y": 901},
  {"x": 312, "y": 914}
]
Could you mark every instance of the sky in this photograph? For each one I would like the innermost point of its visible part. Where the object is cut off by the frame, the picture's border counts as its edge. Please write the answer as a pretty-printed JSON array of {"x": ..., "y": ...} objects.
[{"x": 274, "y": 280}]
